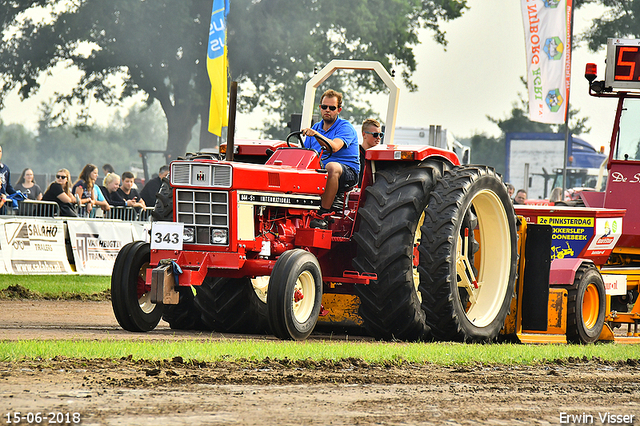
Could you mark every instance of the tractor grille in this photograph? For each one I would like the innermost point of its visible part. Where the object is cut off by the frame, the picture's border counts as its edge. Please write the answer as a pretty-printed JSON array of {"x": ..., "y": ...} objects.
[
  {"x": 201, "y": 174},
  {"x": 206, "y": 212}
]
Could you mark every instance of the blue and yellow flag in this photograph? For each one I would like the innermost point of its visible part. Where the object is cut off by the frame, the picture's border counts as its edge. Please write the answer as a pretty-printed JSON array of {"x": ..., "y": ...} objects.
[{"x": 217, "y": 65}]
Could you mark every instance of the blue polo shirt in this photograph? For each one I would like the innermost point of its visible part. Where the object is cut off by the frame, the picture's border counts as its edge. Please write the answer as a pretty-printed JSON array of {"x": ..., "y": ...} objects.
[{"x": 340, "y": 129}]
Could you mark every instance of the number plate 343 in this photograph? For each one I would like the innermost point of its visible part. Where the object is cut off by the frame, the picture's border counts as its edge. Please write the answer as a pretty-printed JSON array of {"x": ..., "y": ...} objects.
[{"x": 166, "y": 235}]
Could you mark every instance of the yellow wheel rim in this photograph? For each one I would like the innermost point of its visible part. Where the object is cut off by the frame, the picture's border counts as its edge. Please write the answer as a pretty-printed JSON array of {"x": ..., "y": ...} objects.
[
  {"x": 304, "y": 296},
  {"x": 590, "y": 306}
]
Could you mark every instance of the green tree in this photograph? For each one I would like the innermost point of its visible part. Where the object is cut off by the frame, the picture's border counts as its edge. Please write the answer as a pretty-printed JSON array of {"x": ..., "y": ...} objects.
[
  {"x": 621, "y": 20},
  {"x": 159, "y": 49}
]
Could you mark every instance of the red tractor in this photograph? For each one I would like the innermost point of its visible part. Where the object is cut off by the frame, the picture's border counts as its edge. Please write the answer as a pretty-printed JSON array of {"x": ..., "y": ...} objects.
[{"x": 425, "y": 248}]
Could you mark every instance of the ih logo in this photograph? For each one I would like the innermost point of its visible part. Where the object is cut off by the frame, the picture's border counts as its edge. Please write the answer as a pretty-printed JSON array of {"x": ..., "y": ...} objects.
[{"x": 200, "y": 177}]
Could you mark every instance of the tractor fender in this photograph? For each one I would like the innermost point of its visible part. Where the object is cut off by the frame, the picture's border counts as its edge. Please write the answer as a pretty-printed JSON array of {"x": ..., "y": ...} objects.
[{"x": 563, "y": 271}]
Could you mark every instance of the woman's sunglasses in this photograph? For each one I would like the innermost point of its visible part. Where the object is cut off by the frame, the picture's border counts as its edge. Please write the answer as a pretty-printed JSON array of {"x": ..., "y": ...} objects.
[{"x": 60, "y": 177}]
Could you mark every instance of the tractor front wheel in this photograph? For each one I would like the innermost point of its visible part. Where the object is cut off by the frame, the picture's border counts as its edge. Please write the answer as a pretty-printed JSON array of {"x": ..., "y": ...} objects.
[
  {"x": 130, "y": 298},
  {"x": 294, "y": 295},
  {"x": 585, "y": 306}
]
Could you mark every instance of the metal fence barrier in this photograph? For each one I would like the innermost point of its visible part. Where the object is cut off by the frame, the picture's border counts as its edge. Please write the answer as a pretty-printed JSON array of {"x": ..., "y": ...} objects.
[
  {"x": 37, "y": 208},
  {"x": 51, "y": 209}
]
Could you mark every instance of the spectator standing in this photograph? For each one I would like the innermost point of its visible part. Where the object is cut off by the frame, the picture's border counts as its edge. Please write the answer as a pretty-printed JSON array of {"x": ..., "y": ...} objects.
[
  {"x": 5, "y": 183},
  {"x": 521, "y": 195},
  {"x": 371, "y": 136},
  {"x": 28, "y": 186},
  {"x": 59, "y": 191},
  {"x": 83, "y": 187},
  {"x": 510, "y": 190},
  {"x": 111, "y": 184},
  {"x": 107, "y": 168},
  {"x": 100, "y": 200},
  {"x": 130, "y": 194},
  {"x": 152, "y": 187}
]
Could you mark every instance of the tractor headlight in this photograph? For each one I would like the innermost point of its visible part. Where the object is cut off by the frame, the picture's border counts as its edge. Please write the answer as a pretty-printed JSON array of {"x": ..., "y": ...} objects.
[
  {"x": 218, "y": 236},
  {"x": 189, "y": 234}
]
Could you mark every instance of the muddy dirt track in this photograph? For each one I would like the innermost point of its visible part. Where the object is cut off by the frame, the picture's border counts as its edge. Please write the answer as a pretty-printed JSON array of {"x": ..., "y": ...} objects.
[{"x": 283, "y": 392}]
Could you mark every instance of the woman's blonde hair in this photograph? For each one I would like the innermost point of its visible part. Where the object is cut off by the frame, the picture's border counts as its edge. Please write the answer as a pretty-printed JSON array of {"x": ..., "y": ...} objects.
[{"x": 109, "y": 178}]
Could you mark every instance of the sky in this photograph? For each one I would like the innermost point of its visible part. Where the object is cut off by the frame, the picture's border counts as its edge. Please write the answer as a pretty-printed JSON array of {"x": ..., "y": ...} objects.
[{"x": 478, "y": 75}]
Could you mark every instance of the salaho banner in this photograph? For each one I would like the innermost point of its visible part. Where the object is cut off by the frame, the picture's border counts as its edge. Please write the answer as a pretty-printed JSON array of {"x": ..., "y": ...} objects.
[
  {"x": 33, "y": 246},
  {"x": 547, "y": 30}
]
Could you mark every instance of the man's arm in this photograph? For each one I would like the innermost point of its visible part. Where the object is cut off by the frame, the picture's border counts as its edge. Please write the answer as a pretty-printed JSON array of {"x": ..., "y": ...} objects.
[{"x": 336, "y": 144}]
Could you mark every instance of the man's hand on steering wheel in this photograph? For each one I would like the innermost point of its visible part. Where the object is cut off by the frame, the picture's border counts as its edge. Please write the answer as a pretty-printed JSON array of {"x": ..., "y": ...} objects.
[{"x": 327, "y": 148}]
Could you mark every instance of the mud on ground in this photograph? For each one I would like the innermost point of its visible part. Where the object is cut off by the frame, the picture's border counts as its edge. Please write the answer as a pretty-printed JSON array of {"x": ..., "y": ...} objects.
[{"x": 285, "y": 392}]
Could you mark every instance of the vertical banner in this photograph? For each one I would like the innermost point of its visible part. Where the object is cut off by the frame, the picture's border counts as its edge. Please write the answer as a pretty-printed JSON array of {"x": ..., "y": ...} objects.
[
  {"x": 217, "y": 65},
  {"x": 547, "y": 30}
]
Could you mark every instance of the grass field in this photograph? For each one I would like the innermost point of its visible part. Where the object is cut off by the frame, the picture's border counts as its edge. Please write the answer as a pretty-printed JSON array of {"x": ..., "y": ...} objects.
[
  {"x": 379, "y": 352},
  {"x": 97, "y": 288},
  {"x": 77, "y": 287}
]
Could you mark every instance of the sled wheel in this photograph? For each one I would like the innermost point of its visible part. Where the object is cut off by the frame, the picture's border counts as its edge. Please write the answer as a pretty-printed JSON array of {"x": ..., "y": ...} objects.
[
  {"x": 295, "y": 295},
  {"x": 585, "y": 306},
  {"x": 185, "y": 315},
  {"x": 229, "y": 305},
  {"x": 388, "y": 238},
  {"x": 461, "y": 302},
  {"x": 130, "y": 298}
]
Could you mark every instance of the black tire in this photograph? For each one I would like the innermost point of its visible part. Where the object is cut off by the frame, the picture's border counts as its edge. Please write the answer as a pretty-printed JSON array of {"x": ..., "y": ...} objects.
[
  {"x": 476, "y": 193},
  {"x": 386, "y": 240},
  {"x": 296, "y": 273},
  {"x": 229, "y": 305},
  {"x": 163, "y": 209},
  {"x": 185, "y": 315},
  {"x": 131, "y": 303},
  {"x": 586, "y": 305}
]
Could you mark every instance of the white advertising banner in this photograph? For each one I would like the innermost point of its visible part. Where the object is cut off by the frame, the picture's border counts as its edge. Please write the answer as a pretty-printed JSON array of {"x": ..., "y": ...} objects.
[
  {"x": 33, "y": 246},
  {"x": 547, "y": 30},
  {"x": 95, "y": 244}
]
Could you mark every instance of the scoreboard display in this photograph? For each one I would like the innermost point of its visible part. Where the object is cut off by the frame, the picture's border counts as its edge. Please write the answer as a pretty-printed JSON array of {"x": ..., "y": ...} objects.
[{"x": 623, "y": 64}]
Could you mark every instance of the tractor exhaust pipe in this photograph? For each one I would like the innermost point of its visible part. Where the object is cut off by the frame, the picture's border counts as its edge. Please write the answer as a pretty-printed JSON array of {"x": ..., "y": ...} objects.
[{"x": 231, "y": 129}]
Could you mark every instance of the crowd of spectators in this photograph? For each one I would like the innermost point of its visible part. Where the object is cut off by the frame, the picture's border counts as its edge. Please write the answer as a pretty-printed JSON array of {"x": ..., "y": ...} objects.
[{"x": 86, "y": 196}]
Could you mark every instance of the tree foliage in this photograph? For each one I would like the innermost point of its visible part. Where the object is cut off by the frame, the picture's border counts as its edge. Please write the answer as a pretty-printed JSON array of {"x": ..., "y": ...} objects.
[
  {"x": 57, "y": 146},
  {"x": 621, "y": 20},
  {"x": 159, "y": 49}
]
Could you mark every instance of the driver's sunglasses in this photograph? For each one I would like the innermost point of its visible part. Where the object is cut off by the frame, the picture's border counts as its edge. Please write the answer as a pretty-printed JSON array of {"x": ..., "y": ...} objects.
[
  {"x": 331, "y": 107},
  {"x": 376, "y": 134}
]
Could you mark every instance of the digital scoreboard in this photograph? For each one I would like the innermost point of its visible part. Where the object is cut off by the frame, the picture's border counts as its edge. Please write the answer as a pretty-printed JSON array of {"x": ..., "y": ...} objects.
[{"x": 623, "y": 64}]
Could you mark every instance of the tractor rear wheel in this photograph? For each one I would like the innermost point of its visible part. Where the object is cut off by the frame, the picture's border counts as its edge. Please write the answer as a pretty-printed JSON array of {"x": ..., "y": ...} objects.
[
  {"x": 185, "y": 315},
  {"x": 388, "y": 238},
  {"x": 130, "y": 299},
  {"x": 230, "y": 305},
  {"x": 585, "y": 305},
  {"x": 468, "y": 278},
  {"x": 295, "y": 295}
]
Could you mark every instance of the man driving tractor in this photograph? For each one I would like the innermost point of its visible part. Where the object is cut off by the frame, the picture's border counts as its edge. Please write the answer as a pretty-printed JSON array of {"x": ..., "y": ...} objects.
[{"x": 339, "y": 137}]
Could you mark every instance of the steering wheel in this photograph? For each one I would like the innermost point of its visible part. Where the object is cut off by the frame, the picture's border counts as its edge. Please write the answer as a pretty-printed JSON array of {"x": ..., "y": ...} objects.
[
  {"x": 298, "y": 135},
  {"x": 324, "y": 153}
]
